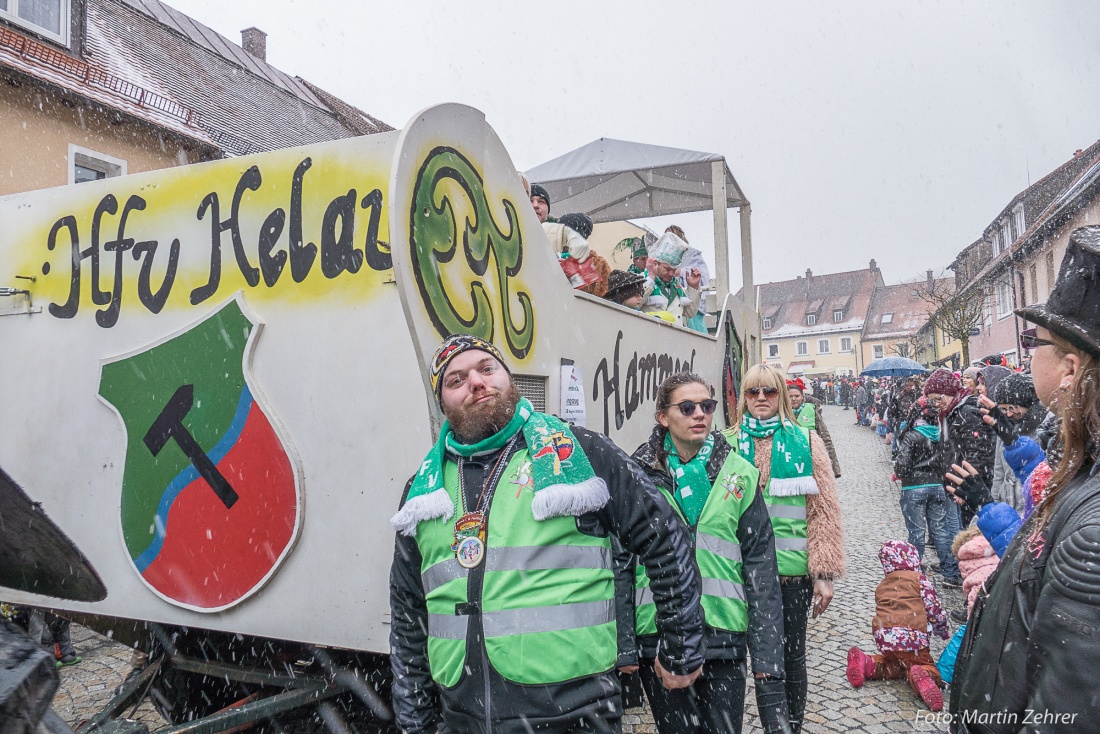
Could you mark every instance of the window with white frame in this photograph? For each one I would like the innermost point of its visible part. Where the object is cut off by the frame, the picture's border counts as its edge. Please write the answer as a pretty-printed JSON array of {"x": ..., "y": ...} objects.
[
  {"x": 88, "y": 165},
  {"x": 1033, "y": 276},
  {"x": 773, "y": 350},
  {"x": 845, "y": 343},
  {"x": 1007, "y": 236},
  {"x": 49, "y": 18},
  {"x": 811, "y": 319},
  {"x": 767, "y": 322},
  {"x": 887, "y": 318},
  {"x": 823, "y": 346},
  {"x": 802, "y": 349},
  {"x": 838, "y": 315},
  {"x": 1018, "y": 219},
  {"x": 1004, "y": 299},
  {"x": 996, "y": 244},
  {"x": 876, "y": 351}
]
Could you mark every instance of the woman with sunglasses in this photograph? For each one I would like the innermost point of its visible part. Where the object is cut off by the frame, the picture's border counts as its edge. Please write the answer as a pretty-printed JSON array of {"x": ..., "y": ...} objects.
[
  {"x": 1031, "y": 653},
  {"x": 714, "y": 491},
  {"x": 797, "y": 483}
]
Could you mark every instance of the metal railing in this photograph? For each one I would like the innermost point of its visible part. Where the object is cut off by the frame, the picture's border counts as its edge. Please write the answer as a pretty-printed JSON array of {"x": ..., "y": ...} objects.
[{"x": 40, "y": 53}]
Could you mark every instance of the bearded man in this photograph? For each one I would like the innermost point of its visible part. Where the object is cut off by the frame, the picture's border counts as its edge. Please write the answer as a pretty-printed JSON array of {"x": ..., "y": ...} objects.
[{"x": 502, "y": 589}]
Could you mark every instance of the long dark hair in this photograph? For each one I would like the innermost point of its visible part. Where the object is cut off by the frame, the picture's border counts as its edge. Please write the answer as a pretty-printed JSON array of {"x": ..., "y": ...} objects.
[
  {"x": 664, "y": 401},
  {"x": 1079, "y": 409}
]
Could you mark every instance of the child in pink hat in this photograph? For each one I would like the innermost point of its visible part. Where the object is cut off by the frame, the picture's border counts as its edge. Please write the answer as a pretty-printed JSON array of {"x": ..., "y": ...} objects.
[{"x": 907, "y": 608}]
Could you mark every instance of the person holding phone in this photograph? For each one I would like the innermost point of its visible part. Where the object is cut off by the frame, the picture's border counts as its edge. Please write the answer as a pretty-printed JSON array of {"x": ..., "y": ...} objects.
[{"x": 799, "y": 489}]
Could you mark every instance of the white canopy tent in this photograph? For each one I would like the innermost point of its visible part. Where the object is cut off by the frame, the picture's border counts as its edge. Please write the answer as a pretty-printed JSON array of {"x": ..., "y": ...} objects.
[{"x": 612, "y": 180}]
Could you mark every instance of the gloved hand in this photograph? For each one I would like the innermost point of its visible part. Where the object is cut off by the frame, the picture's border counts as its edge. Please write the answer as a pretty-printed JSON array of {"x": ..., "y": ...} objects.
[
  {"x": 1005, "y": 429},
  {"x": 969, "y": 486},
  {"x": 771, "y": 702}
]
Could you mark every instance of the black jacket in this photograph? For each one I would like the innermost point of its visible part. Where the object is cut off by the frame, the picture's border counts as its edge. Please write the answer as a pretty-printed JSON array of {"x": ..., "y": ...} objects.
[
  {"x": 1033, "y": 642},
  {"x": 761, "y": 575},
  {"x": 967, "y": 437},
  {"x": 483, "y": 701},
  {"x": 919, "y": 460}
]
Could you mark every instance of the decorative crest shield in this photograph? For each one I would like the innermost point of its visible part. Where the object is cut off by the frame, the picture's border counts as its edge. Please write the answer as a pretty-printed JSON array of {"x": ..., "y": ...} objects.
[{"x": 210, "y": 493}]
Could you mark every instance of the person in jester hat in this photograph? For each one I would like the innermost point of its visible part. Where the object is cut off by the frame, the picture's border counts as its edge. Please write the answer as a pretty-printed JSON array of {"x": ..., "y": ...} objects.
[
  {"x": 714, "y": 490},
  {"x": 799, "y": 489},
  {"x": 502, "y": 586}
]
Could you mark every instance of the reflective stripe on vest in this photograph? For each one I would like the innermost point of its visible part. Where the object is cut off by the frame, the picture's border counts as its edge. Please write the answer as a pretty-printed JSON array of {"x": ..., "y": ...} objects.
[
  {"x": 717, "y": 552},
  {"x": 807, "y": 416},
  {"x": 788, "y": 515},
  {"x": 546, "y": 588}
]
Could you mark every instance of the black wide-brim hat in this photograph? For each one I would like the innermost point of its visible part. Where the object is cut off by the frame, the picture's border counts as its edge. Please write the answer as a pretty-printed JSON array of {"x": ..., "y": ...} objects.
[{"x": 1073, "y": 309}]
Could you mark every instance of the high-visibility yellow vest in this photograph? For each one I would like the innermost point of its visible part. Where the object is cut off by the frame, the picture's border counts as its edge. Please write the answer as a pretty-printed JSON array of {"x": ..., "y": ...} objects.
[
  {"x": 807, "y": 416},
  {"x": 717, "y": 551},
  {"x": 547, "y": 600}
]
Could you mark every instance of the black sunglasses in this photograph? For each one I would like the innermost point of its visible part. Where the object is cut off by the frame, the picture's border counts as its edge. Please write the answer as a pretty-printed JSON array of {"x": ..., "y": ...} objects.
[
  {"x": 687, "y": 408},
  {"x": 1030, "y": 340},
  {"x": 768, "y": 391}
]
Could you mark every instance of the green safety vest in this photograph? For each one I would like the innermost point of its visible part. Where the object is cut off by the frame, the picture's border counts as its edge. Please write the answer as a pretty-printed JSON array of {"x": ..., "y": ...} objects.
[
  {"x": 547, "y": 598},
  {"x": 807, "y": 416},
  {"x": 717, "y": 552},
  {"x": 788, "y": 515}
]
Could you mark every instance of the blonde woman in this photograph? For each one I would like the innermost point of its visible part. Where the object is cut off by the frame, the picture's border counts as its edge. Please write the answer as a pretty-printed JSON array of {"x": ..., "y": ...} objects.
[{"x": 799, "y": 489}]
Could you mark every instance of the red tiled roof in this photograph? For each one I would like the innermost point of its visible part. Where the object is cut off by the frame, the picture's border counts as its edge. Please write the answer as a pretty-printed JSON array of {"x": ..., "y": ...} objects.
[
  {"x": 787, "y": 302},
  {"x": 908, "y": 311}
]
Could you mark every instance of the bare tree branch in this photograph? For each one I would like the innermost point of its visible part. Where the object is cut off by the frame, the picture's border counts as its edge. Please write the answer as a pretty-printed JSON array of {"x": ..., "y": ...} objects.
[{"x": 955, "y": 314}]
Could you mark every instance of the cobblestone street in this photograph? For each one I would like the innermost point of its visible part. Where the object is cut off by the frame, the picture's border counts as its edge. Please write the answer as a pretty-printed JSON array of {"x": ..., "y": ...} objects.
[
  {"x": 869, "y": 501},
  {"x": 871, "y": 515}
]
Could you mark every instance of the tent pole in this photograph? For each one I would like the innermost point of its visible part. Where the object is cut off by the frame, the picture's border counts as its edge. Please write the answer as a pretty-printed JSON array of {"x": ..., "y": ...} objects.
[
  {"x": 721, "y": 230},
  {"x": 746, "y": 256}
]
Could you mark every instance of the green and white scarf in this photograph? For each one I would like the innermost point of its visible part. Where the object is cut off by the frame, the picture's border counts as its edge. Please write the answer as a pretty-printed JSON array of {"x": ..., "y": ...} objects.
[
  {"x": 792, "y": 469},
  {"x": 561, "y": 475},
  {"x": 670, "y": 290},
  {"x": 692, "y": 484}
]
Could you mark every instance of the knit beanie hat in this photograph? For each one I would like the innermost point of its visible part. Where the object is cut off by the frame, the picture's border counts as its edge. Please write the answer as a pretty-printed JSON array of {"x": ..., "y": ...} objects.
[
  {"x": 1016, "y": 389},
  {"x": 942, "y": 382},
  {"x": 451, "y": 348},
  {"x": 541, "y": 192},
  {"x": 578, "y": 222}
]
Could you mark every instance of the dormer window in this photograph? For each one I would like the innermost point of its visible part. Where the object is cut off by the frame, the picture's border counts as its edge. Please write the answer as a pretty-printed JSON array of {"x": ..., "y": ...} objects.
[
  {"x": 1007, "y": 236},
  {"x": 838, "y": 315},
  {"x": 887, "y": 318},
  {"x": 811, "y": 319},
  {"x": 1018, "y": 219},
  {"x": 49, "y": 18},
  {"x": 767, "y": 322}
]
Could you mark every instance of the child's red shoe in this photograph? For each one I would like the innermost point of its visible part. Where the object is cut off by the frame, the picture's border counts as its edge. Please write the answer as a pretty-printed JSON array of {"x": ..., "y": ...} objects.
[
  {"x": 923, "y": 685},
  {"x": 858, "y": 666}
]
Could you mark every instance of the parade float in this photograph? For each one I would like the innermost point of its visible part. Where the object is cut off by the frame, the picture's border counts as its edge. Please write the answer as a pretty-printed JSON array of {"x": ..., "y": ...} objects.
[{"x": 214, "y": 384}]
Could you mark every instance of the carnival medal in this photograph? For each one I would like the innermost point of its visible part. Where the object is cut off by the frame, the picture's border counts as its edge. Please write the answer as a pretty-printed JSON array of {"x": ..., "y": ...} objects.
[{"x": 469, "y": 546}]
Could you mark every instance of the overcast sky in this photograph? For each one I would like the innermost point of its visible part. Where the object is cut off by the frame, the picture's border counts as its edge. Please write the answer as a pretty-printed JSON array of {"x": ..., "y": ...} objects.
[{"x": 858, "y": 130}]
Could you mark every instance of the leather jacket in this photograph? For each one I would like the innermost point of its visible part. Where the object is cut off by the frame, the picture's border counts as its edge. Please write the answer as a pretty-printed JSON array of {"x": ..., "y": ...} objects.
[
  {"x": 919, "y": 460},
  {"x": 483, "y": 701},
  {"x": 1030, "y": 658}
]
